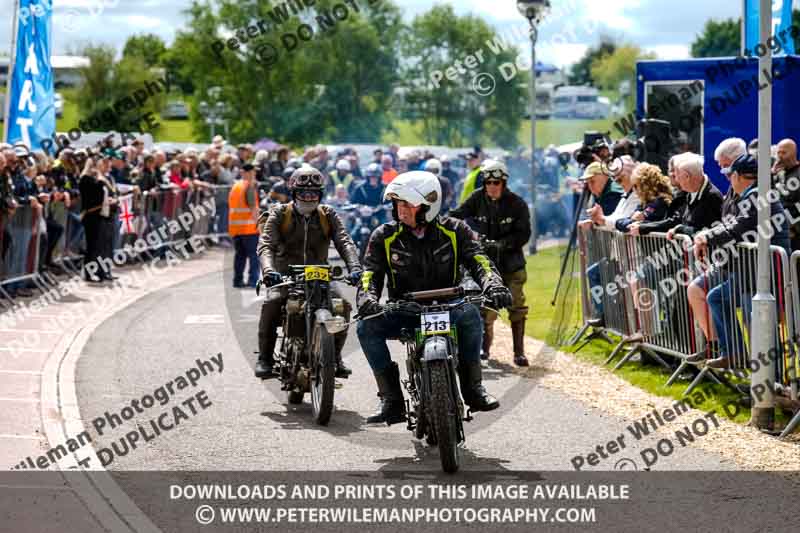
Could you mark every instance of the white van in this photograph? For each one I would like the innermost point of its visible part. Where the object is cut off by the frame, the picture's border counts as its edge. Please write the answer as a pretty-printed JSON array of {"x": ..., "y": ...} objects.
[{"x": 577, "y": 102}]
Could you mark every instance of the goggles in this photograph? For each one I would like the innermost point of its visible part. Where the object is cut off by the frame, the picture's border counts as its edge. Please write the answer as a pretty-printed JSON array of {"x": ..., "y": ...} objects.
[
  {"x": 311, "y": 180},
  {"x": 496, "y": 173}
]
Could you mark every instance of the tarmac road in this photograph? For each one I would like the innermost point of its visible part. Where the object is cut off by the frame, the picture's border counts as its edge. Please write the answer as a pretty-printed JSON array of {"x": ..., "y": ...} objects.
[{"x": 250, "y": 426}]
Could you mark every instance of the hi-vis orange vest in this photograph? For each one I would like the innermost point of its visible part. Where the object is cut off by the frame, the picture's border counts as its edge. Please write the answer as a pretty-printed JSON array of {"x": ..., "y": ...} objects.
[{"x": 241, "y": 218}]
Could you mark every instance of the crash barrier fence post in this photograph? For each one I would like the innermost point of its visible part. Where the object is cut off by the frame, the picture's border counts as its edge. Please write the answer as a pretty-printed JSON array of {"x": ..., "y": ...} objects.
[{"x": 20, "y": 246}]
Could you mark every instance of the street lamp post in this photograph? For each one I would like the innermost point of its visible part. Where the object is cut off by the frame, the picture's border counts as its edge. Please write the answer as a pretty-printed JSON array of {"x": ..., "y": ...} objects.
[
  {"x": 215, "y": 111},
  {"x": 534, "y": 11},
  {"x": 763, "y": 311}
]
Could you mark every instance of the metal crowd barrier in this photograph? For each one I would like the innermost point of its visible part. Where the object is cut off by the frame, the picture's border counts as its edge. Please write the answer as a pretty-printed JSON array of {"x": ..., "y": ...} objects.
[
  {"x": 149, "y": 215},
  {"x": 793, "y": 370},
  {"x": 20, "y": 246},
  {"x": 635, "y": 287},
  {"x": 606, "y": 298},
  {"x": 730, "y": 282},
  {"x": 659, "y": 269}
]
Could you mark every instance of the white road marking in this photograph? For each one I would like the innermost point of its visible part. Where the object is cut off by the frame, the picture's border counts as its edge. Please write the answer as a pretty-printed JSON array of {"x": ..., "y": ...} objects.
[{"x": 204, "y": 319}]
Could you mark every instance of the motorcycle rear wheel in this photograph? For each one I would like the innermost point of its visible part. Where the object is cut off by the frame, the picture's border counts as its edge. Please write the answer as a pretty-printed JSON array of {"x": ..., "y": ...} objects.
[{"x": 443, "y": 411}]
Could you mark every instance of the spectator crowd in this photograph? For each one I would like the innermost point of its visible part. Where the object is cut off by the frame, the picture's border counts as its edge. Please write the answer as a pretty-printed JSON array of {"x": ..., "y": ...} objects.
[
  {"x": 80, "y": 202},
  {"x": 638, "y": 199}
]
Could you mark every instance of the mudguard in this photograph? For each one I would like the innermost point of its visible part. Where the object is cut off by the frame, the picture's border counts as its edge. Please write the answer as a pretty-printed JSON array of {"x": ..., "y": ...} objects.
[
  {"x": 436, "y": 348},
  {"x": 334, "y": 324}
]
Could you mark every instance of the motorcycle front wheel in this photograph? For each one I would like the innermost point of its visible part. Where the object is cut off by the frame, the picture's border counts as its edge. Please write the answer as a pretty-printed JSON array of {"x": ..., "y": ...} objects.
[
  {"x": 443, "y": 411},
  {"x": 323, "y": 379}
]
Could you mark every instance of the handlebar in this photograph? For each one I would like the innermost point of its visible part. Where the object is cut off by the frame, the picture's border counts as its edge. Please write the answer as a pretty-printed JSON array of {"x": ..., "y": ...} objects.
[
  {"x": 451, "y": 292},
  {"x": 411, "y": 301},
  {"x": 298, "y": 272}
]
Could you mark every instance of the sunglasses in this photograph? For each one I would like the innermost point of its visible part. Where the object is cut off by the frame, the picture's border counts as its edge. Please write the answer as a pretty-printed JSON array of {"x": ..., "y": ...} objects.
[{"x": 493, "y": 182}]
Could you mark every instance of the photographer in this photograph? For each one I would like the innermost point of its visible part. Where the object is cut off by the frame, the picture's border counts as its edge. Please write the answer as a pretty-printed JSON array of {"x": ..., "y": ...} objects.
[{"x": 503, "y": 222}]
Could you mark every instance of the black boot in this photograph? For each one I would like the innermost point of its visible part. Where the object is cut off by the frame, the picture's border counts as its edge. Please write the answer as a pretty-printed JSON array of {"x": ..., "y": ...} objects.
[
  {"x": 264, "y": 368},
  {"x": 267, "y": 338},
  {"x": 393, "y": 407},
  {"x": 342, "y": 371},
  {"x": 518, "y": 336},
  {"x": 475, "y": 396}
]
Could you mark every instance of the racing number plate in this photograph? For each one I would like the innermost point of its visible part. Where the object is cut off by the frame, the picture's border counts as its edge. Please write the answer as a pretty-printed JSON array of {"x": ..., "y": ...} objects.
[
  {"x": 317, "y": 274},
  {"x": 435, "y": 323}
]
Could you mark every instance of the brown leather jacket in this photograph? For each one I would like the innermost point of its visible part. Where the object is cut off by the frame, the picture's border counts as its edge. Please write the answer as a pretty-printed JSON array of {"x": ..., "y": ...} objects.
[{"x": 303, "y": 241}]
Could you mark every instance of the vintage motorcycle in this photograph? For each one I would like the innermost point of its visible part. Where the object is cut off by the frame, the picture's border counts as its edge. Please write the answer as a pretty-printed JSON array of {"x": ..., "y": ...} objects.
[
  {"x": 306, "y": 360},
  {"x": 436, "y": 411},
  {"x": 364, "y": 219}
]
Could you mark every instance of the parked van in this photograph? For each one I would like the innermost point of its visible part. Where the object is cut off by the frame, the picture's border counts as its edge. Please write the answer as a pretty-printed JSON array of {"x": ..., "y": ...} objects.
[{"x": 578, "y": 102}]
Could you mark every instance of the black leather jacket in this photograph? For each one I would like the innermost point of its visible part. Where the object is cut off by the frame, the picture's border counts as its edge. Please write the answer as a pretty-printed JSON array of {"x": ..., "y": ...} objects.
[
  {"x": 506, "y": 221},
  {"x": 410, "y": 264}
]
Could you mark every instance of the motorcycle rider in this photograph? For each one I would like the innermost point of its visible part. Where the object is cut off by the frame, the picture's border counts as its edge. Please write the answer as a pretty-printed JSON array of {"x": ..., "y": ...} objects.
[
  {"x": 420, "y": 250},
  {"x": 299, "y": 233},
  {"x": 434, "y": 166},
  {"x": 501, "y": 217},
  {"x": 371, "y": 191},
  {"x": 341, "y": 176}
]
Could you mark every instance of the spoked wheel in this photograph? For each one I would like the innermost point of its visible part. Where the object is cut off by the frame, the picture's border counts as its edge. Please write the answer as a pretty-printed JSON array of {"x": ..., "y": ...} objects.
[
  {"x": 323, "y": 380},
  {"x": 443, "y": 416}
]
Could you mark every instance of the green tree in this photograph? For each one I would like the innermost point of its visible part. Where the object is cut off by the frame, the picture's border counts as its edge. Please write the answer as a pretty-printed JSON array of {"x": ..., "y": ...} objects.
[
  {"x": 581, "y": 72},
  {"x": 718, "y": 39},
  {"x": 106, "y": 83},
  {"x": 452, "y": 111},
  {"x": 148, "y": 47},
  {"x": 610, "y": 70},
  {"x": 336, "y": 87}
]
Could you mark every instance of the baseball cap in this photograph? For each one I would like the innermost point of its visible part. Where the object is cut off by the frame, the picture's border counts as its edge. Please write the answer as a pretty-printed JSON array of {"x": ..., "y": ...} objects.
[
  {"x": 592, "y": 170},
  {"x": 745, "y": 164}
]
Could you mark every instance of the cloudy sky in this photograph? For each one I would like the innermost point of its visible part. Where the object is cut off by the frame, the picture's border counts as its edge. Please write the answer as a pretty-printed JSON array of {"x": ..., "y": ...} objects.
[{"x": 665, "y": 27}]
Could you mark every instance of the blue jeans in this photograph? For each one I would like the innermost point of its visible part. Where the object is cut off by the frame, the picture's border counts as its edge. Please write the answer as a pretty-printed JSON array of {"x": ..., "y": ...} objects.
[
  {"x": 723, "y": 301},
  {"x": 374, "y": 333},
  {"x": 245, "y": 251},
  {"x": 593, "y": 273}
]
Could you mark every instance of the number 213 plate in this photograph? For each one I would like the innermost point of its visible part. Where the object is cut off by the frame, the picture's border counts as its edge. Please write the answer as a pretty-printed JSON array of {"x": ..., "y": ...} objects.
[{"x": 435, "y": 323}]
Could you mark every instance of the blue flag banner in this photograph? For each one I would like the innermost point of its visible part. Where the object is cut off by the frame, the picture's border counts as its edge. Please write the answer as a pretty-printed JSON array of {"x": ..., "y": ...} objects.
[
  {"x": 781, "y": 22},
  {"x": 31, "y": 108}
]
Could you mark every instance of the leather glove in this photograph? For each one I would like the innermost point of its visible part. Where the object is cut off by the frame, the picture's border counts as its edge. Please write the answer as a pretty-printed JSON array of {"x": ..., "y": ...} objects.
[
  {"x": 501, "y": 297},
  {"x": 355, "y": 277},
  {"x": 272, "y": 278},
  {"x": 370, "y": 307}
]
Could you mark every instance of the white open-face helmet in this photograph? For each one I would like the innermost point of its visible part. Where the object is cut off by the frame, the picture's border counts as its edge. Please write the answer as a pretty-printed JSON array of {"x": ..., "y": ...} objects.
[
  {"x": 434, "y": 166},
  {"x": 491, "y": 168},
  {"x": 417, "y": 188},
  {"x": 343, "y": 165}
]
